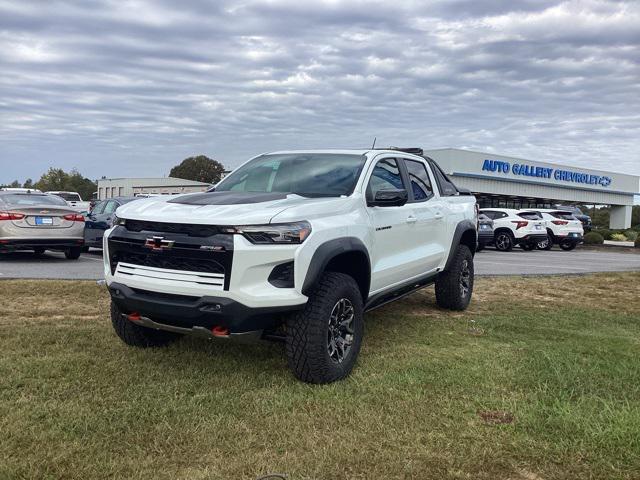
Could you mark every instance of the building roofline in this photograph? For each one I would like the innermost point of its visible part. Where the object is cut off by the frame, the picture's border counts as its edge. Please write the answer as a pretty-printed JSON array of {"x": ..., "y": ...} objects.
[{"x": 427, "y": 150}]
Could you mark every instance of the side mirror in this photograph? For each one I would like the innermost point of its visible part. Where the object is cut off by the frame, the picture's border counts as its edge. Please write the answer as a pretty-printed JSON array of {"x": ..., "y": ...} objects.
[{"x": 389, "y": 198}]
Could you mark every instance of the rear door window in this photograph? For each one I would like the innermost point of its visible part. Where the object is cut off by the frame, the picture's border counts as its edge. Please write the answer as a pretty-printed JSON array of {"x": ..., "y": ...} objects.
[
  {"x": 420, "y": 182},
  {"x": 446, "y": 186}
]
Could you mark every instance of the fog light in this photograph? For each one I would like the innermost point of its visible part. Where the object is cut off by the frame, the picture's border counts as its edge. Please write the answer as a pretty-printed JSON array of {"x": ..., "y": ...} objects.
[{"x": 282, "y": 275}]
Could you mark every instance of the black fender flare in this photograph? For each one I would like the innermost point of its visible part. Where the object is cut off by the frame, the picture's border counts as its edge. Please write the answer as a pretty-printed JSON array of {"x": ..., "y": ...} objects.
[
  {"x": 325, "y": 253},
  {"x": 462, "y": 227}
]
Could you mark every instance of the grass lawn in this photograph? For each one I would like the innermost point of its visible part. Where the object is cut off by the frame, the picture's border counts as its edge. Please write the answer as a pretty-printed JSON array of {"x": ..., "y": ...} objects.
[{"x": 539, "y": 379}]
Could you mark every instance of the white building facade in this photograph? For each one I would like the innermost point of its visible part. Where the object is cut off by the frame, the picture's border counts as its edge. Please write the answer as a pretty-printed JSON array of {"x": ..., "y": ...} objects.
[
  {"x": 509, "y": 182},
  {"x": 129, "y": 187}
]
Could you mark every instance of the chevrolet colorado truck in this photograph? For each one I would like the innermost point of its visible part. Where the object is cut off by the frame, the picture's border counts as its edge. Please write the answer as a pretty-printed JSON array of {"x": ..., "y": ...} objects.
[{"x": 295, "y": 246}]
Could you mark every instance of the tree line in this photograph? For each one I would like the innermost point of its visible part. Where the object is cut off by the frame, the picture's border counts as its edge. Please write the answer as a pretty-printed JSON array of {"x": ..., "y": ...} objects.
[{"x": 199, "y": 168}]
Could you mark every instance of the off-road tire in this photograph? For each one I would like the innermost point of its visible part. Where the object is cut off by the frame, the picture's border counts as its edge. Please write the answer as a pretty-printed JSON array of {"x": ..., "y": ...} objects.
[
  {"x": 450, "y": 293},
  {"x": 137, "y": 336},
  {"x": 507, "y": 244},
  {"x": 307, "y": 331},
  {"x": 567, "y": 246},
  {"x": 73, "y": 253}
]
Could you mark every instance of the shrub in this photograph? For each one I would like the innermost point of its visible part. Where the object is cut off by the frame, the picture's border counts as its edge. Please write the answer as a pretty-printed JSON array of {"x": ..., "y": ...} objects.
[
  {"x": 606, "y": 234},
  {"x": 631, "y": 235},
  {"x": 618, "y": 237},
  {"x": 593, "y": 238}
]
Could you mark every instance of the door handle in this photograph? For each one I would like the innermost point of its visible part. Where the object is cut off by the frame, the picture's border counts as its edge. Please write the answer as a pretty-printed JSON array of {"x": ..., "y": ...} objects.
[
  {"x": 411, "y": 219},
  {"x": 438, "y": 216}
]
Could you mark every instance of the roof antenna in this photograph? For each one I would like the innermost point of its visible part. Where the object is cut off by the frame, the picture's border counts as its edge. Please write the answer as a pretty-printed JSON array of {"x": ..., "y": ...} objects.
[{"x": 374, "y": 143}]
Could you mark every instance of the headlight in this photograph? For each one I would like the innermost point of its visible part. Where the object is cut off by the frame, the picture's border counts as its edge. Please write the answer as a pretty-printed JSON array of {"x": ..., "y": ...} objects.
[
  {"x": 117, "y": 221},
  {"x": 283, "y": 233}
]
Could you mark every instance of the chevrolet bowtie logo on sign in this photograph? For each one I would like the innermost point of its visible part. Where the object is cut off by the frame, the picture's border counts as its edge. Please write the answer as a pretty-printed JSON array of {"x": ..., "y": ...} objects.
[{"x": 158, "y": 243}]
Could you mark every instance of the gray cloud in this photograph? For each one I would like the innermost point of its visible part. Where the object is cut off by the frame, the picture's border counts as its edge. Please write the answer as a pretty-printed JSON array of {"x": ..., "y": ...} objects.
[{"x": 132, "y": 87}]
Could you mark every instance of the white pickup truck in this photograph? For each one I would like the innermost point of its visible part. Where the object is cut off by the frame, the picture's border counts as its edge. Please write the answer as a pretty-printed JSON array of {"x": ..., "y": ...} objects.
[
  {"x": 74, "y": 200},
  {"x": 293, "y": 245}
]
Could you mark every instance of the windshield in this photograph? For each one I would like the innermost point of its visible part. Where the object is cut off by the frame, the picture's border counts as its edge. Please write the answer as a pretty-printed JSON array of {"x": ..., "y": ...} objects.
[
  {"x": 308, "y": 174},
  {"x": 28, "y": 199},
  {"x": 69, "y": 197}
]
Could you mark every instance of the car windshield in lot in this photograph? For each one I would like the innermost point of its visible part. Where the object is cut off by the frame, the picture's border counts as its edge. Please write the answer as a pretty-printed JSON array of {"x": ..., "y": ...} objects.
[
  {"x": 309, "y": 175},
  {"x": 29, "y": 199},
  {"x": 69, "y": 197}
]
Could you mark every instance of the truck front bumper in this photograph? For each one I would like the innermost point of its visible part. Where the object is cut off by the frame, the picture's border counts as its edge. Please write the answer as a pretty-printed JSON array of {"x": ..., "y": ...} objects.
[{"x": 196, "y": 313}]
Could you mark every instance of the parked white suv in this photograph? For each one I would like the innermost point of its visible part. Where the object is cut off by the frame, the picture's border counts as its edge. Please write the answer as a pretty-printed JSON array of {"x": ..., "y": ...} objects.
[
  {"x": 563, "y": 229},
  {"x": 295, "y": 246},
  {"x": 516, "y": 227}
]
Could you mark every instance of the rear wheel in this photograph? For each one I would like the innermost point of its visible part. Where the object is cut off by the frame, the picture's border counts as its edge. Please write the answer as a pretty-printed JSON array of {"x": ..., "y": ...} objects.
[
  {"x": 567, "y": 246},
  {"x": 323, "y": 340},
  {"x": 454, "y": 287},
  {"x": 545, "y": 244},
  {"x": 137, "y": 336},
  {"x": 504, "y": 241},
  {"x": 73, "y": 253}
]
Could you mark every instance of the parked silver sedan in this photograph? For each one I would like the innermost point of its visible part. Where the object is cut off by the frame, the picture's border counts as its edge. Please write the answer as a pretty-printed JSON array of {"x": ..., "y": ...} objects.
[{"x": 39, "y": 222}]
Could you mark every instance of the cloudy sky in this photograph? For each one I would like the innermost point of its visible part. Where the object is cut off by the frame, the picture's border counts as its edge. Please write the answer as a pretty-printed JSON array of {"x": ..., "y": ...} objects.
[{"x": 129, "y": 88}]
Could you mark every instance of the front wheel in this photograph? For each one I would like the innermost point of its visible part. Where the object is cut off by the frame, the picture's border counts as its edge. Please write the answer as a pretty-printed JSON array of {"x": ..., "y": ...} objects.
[
  {"x": 504, "y": 241},
  {"x": 454, "y": 287},
  {"x": 566, "y": 246},
  {"x": 323, "y": 339}
]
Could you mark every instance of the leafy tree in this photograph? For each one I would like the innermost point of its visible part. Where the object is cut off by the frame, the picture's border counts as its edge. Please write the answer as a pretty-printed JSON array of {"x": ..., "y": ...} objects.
[
  {"x": 58, "y": 179},
  {"x": 15, "y": 184},
  {"x": 200, "y": 169},
  {"x": 28, "y": 183}
]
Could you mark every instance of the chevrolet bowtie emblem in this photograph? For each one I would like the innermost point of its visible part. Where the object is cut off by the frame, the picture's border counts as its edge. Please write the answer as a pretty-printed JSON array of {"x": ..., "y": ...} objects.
[{"x": 158, "y": 243}]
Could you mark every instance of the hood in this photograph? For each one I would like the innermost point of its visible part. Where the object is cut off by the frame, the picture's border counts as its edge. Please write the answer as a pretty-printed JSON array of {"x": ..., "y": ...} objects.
[{"x": 214, "y": 208}]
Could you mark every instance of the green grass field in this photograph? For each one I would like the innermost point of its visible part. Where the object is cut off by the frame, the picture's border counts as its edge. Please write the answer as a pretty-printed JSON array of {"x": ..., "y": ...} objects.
[{"x": 539, "y": 379}]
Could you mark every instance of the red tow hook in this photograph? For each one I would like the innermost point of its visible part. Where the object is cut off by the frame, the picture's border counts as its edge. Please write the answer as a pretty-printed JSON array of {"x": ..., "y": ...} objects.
[
  {"x": 134, "y": 317},
  {"x": 219, "y": 331}
]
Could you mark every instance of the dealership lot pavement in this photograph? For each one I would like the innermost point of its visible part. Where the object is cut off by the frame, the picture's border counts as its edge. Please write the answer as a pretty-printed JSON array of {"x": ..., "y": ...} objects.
[{"x": 488, "y": 262}]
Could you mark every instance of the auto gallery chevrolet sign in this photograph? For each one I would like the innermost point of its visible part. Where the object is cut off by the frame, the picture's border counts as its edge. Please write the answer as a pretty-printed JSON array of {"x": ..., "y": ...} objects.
[{"x": 525, "y": 170}]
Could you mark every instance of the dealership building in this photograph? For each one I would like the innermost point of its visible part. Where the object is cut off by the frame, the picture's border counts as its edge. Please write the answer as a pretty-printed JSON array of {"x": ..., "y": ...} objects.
[
  {"x": 508, "y": 182},
  {"x": 129, "y": 187}
]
